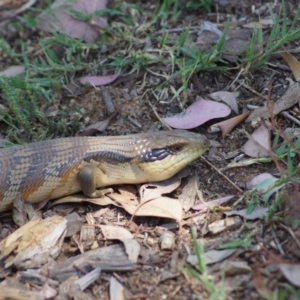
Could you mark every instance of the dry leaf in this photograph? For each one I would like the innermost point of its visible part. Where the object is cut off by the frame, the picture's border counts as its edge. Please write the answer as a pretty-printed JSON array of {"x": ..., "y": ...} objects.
[
  {"x": 232, "y": 268},
  {"x": 289, "y": 99},
  {"x": 251, "y": 184},
  {"x": 129, "y": 199},
  {"x": 198, "y": 113},
  {"x": 115, "y": 232},
  {"x": 155, "y": 190},
  {"x": 98, "y": 80},
  {"x": 262, "y": 23},
  {"x": 132, "y": 247},
  {"x": 292, "y": 62},
  {"x": 291, "y": 272},
  {"x": 188, "y": 195},
  {"x": 90, "y": 130},
  {"x": 59, "y": 18},
  {"x": 79, "y": 198},
  {"x": 211, "y": 257},
  {"x": 163, "y": 207},
  {"x": 228, "y": 125},
  {"x": 13, "y": 71},
  {"x": 212, "y": 203},
  {"x": 259, "y": 144},
  {"x": 228, "y": 98},
  {"x": 256, "y": 213}
]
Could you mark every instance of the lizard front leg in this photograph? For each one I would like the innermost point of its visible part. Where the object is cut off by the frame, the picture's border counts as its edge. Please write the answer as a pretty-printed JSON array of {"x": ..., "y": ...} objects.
[{"x": 89, "y": 177}]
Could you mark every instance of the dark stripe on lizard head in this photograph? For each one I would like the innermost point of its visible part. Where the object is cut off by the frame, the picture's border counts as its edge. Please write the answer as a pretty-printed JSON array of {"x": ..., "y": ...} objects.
[{"x": 158, "y": 154}]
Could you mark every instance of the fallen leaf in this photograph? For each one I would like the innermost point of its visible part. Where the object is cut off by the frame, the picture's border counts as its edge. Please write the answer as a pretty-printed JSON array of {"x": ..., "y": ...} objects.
[
  {"x": 262, "y": 23},
  {"x": 228, "y": 125},
  {"x": 211, "y": 257},
  {"x": 268, "y": 187},
  {"x": 13, "y": 71},
  {"x": 293, "y": 63},
  {"x": 246, "y": 162},
  {"x": 163, "y": 207},
  {"x": 98, "y": 80},
  {"x": 98, "y": 127},
  {"x": 79, "y": 198},
  {"x": 289, "y": 99},
  {"x": 257, "y": 180},
  {"x": 212, "y": 203},
  {"x": 115, "y": 232},
  {"x": 234, "y": 47},
  {"x": 227, "y": 97},
  {"x": 59, "y": 19},
  {"x": 155, "y": 190},
  {"x": 198, "y": 113},
  {"x": 232, "y": 268},
  {"x": 291, "y": 272},
  {"x": 259, "y": 144},
  {"x": 256, "y": 213},
  {"x": 209, "y": 26},
  {"x": 123, "y": 198},
  {"x": 132, "y": 247},
  {"x": 188, "y": 195}
]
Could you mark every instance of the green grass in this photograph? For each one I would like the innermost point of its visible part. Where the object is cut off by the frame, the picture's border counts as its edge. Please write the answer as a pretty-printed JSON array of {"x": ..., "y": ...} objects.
[
  {"x": 216, "y": 292},
  {"x": 285, "y": 154},
  {"x": 47, "y": 71},
  {"x": 172, "y": 9},
  {"x": 263, "y": 46}
]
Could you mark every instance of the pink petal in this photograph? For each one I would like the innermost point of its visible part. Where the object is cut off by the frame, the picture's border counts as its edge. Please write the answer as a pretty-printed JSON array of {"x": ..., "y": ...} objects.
[
  {"x": 98, "y": 80},
  {"x": 198, "y": 113}
]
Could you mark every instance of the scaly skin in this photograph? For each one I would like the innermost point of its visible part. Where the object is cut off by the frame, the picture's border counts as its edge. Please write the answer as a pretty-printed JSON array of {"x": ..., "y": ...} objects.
[{"x": 60, "y": 167}]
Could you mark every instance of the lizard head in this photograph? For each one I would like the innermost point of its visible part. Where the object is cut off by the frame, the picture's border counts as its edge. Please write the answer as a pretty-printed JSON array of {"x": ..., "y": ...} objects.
[{"x": 165, "y": 153}]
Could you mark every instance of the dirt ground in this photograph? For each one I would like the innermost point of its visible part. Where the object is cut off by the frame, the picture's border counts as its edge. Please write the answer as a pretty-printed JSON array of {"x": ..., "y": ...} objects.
[{"x": 262, "y": 247}]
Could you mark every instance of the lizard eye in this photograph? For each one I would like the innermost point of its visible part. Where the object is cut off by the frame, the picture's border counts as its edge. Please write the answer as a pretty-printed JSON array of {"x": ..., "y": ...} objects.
[{"x": 176, "y": 148}]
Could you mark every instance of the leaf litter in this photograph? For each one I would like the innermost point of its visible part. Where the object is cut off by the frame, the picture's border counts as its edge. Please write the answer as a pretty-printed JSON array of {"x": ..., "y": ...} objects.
[{"x": 143, "y": 234}]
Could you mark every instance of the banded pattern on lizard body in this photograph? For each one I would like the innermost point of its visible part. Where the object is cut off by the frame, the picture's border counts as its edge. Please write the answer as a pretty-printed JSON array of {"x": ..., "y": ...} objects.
[{"x": 56, "y": 168}]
